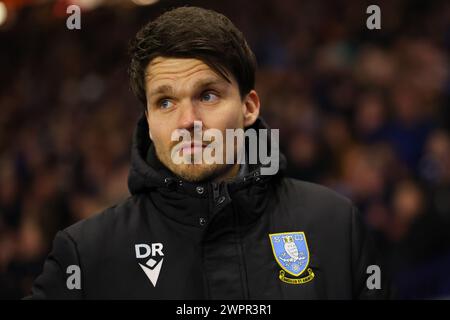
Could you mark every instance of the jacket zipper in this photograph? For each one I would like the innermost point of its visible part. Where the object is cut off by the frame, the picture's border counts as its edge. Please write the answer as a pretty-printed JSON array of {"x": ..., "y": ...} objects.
[
  {"x": 215, "y": 188},
  {"x": 240, "y": 247},
  {"x": 216, "y": 191}
]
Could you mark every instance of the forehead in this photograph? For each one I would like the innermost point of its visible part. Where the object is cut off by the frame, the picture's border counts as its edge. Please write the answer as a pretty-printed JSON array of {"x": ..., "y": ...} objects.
[{"x": 166, "y": 70}]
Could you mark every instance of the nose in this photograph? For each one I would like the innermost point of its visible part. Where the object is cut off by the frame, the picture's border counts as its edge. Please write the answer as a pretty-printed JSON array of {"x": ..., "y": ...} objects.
[{"x": 188, "y": 114}]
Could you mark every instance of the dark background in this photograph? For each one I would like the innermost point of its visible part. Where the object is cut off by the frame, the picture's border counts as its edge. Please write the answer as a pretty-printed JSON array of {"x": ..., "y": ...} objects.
[{"x": 365, "y": 112}]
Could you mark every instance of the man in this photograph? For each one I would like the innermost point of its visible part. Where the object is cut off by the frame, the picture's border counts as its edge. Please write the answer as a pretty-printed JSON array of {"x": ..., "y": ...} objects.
[{"x": 208, "y": 230}]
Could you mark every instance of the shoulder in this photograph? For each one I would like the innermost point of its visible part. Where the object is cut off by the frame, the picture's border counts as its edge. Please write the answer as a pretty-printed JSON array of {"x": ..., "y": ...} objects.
[
  {"x": 314, "y": 200},
  {"x": 110, "y": 221},
  {"x": 313, "y": 193}
]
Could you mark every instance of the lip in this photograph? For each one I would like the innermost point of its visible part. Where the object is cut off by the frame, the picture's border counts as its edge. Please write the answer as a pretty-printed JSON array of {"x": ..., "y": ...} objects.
[{"x": 192, "y": 147}]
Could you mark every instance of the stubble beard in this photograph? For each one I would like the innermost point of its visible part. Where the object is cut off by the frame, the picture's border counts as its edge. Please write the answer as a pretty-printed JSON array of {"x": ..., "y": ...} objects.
[{"x": 193, "y": 172}]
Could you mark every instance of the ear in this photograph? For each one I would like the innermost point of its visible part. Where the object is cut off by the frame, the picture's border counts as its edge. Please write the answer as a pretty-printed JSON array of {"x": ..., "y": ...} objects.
[{"x": 251, "y": 108}]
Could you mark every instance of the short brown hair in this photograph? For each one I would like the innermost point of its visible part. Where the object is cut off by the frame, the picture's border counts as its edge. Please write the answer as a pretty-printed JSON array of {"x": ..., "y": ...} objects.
[{"x": 192, "y": 32}]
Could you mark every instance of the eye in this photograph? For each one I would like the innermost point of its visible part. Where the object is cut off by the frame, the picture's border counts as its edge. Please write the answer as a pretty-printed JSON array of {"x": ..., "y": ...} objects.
[
  {"x": 209, "y": 97},
  {"x": 165, "y": 104}
]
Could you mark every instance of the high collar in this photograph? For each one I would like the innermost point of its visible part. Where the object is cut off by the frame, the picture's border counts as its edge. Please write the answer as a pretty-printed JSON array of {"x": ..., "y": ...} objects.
[{"x": 148, "y": 174}]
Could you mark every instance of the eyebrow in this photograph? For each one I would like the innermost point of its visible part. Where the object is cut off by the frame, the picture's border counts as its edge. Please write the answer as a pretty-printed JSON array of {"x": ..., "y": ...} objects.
[{"x": 166, "y": 89}]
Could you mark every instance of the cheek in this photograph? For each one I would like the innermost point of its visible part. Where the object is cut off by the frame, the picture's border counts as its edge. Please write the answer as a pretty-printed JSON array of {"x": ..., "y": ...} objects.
[
  {"x": 160, "y": 134},
  {"x": 229, "y": 115},
  {"x": 234, "y": 119}
]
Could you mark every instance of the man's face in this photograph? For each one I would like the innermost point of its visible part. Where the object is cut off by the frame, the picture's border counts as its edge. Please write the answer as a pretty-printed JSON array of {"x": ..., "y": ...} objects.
[{"x": 181, "y": 91}]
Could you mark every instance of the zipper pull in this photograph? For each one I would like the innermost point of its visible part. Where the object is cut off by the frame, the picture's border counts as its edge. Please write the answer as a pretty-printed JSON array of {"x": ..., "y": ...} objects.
[{"x": 216, "y": 191}]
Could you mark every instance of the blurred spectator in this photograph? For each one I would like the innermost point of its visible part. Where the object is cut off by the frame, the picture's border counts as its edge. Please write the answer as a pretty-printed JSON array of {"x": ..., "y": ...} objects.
[{"x": 363, "y": 112}]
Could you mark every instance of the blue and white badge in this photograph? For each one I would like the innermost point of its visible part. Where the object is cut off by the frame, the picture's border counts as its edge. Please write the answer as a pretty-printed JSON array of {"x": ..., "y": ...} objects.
[{"x": 291, "y": 251}]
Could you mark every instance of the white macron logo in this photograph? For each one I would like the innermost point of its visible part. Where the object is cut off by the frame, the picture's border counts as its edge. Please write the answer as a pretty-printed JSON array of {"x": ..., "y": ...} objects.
[{"x": 152, "y": 267}]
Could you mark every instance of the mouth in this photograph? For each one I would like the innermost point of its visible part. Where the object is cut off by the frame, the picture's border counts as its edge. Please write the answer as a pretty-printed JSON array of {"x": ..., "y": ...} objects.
[{"x": 190, "y": 148}]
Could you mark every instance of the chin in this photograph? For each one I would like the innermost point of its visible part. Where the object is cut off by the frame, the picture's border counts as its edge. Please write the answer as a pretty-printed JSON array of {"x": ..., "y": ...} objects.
[{"x": 199, "y": 172}]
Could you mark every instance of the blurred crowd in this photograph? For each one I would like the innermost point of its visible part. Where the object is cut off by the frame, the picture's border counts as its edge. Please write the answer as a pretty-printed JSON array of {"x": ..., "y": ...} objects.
[{"x": 364, "y": 112}]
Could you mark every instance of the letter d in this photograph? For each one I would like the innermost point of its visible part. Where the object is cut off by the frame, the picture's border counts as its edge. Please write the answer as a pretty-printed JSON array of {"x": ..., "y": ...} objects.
[{"x": 139, "y": 253}]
